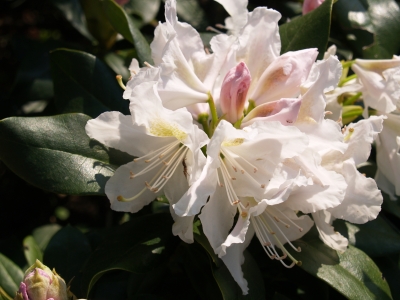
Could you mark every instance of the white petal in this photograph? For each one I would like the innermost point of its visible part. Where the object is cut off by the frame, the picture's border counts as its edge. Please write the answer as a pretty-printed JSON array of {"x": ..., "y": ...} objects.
[
  {"x": 362, "y": 202},
  {"x": 327, "y": 234},
  {"x": 217, "y": 218},
  {"x": 284, "y": 76},
  {"x": 259, "y": 42},
  {"x": 145, "y": 74},
  {"x": 388, "y": 152},
  {"x": 324, "y": 77},
  {"x": 122, "y": 185},
  {"x": 238, "y": 11},
  {"x": 183, "y": 226},
  {"x": 116, "y": 130},
  {"x": 234, "y": 258},
  {"x": 360, "y": 136}
]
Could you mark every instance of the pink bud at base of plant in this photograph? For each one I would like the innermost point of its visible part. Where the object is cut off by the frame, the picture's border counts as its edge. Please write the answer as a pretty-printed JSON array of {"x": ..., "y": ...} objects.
[
  {"x": 234, "y": 91},
  {"x": 310, "y": 5}
]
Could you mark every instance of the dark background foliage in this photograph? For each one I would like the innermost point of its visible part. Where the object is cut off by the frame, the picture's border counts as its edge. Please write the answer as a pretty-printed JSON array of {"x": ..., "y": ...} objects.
[{"x": 96, "y": 248}]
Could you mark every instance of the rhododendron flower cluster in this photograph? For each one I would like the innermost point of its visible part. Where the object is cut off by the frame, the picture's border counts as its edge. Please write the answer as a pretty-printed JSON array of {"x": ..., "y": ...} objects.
[{"x": 237, "y": 135}]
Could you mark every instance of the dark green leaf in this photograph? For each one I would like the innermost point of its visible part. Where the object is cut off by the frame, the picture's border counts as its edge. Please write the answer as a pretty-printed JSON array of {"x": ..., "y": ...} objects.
[
  {"x": 117, "y": 64},
  {"x": 352, "y": 273},
  {"x": 146, "y": 9},
  {"x": 385, "y": 241},
  {"x": 137, "y": 246},
  {"x": 66, "y": 252},
  {"x": 191, "y": 12},
  {"x": 43, "y": 234},
  {"x": 31, "y": 250},
  {"x": 374, "y": 25},
  {"x": 72, "y": 11},
  {"x": 55, "y": 154},
  {"x": 82, "y": 83},
  {"x": 10, "y": 275},
  {"x": 126, "y": 27},
  {"x": 390, "y": 267},
  {"x": 308, "y": 31},
  {"x": 197, "y": 267},
  {"x": 391, "y": 206}
]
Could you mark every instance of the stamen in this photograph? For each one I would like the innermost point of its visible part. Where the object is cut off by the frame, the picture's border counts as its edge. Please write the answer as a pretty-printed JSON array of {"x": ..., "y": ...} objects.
[
  {"x": 131, "y": 175},
  {"x": 328, "y": 113},
  {"x": 121, "y": 84},
  {"x": 263, "y": 186},
  {"x": 148, "y": 65},
  {"x": 209, "y": 28},
  {"x": 297, "y": 226}
]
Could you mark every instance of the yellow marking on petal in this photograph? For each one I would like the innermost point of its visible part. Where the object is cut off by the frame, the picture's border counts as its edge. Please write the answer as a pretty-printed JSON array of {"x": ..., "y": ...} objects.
[
  {"x": 162, "y": 128},
  {"x": 233, "y": 142}
]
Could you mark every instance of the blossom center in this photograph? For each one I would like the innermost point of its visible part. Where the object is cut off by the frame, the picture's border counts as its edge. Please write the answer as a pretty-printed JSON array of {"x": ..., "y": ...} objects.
[{"x": 162, "y": 128}]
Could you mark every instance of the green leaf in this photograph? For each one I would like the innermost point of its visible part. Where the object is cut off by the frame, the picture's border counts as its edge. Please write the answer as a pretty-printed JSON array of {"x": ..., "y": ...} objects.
[
  {"x": 390, "y": 267},
  {"x": 72, "y": 11},
  {"x": 43, "y": 234},
  {"x": 55, "y": 154},
  {"x": 31, "y": 250},
  {"x": 83, "y": 83},
  {"x": 391, "y": 206},
  {"x": 352, "y": 273},
  {"x": 378, "y": 17},
  {"x": 10, "y": 275},
  {"x": 66, "y": 252},
  {"x": 136, "y": 246},
  {"x": 124, "y": 24},
  {"x": 308, "y": 31},
  {"x": 385, "y": 241},
  {"x": 146, "y": 9},
  {"x": 192, "y": 12},
  {"x": 117, "y": 64}
]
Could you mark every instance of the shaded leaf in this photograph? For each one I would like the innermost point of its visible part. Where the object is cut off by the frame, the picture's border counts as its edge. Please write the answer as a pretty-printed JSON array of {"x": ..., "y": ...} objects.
[
  {"x": 374, "y": 25},
  {"x": 31, "y": 250},
  {"x": 55, "y": 154},
  {"x": 147, "y": 246},
  {"x": 10, "y": 275},
  {"x": 385, "y": 241},
  {"x": 82, "y": 83},
  {"x": 72, "y": 11},
  {"x": 124, "y": 24},
  {"x": 352, "y": 273},
  {"x": 66, "y": 252},
  {"x": 390, "y": 267},
  {"x": 43, "y": 234},
  {"x": 191, "y": 12},
  {"x": 308, "y": 31},
  {"x": 146, "y": 9}
]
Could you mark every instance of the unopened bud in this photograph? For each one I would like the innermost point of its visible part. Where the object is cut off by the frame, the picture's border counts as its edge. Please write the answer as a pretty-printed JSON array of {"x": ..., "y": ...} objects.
[
  {"x": 234, "y": 91},
  {"x": 41, "y": 283}
]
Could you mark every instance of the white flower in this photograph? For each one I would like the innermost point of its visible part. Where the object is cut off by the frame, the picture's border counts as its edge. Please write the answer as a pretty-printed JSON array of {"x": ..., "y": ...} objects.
[
  {"x": 388, "y": 156},
  {"x": 380, "y": 80},
  {"x": 167, "y": 145}
]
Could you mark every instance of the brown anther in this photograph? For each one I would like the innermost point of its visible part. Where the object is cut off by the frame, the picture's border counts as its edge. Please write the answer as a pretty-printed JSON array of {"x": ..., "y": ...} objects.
[
  {"x": 120, "y": 198},
  {"x": 289, "y": 121},
  {"x": 155, "y": 190},
  {"x": 276, "y": 219},
  {"x": 147, "y": 160},
  {"x": 351, "y": 129},
  {"x": 165, "y": 162},
  {"x": 235, "y": 202},
  {"x": 233, "y": 178},
  {"x": 234, "y": 168},
  {"x": 365, "y": 175},
  {"x": 287, "y": 226},
  {"x": 328, "y": 113},
  {"x": 255, "y": 170},
  {"x": 147, "y": 184},
  {"x": 267, "y": 244},
  {"x": 272, "y": 232},
  {"x": 301, "y": 229},
  {"x": 242, "y": 171},
  {"x": 131, "y": 175},
  {"x": 263, "y": 186}
]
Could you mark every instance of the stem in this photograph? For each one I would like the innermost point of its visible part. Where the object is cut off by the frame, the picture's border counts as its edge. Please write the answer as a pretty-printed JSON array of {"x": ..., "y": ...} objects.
[
  {"x": 214, "y": 115},
  {"x": 351, "y": 100},
  {"x": 347, "y": 79},
  {"x": 348, "y": 64},
  {"x": 250, "y": 107},
  {"x": 203, "y": 120}
]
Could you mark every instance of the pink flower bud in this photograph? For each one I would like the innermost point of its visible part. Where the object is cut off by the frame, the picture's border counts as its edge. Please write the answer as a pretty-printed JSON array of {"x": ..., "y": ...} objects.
[
  {"x": 310, "y": 5},
  {"x": 41, "y": 283},
  {"x": 234, "y": 91}
]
